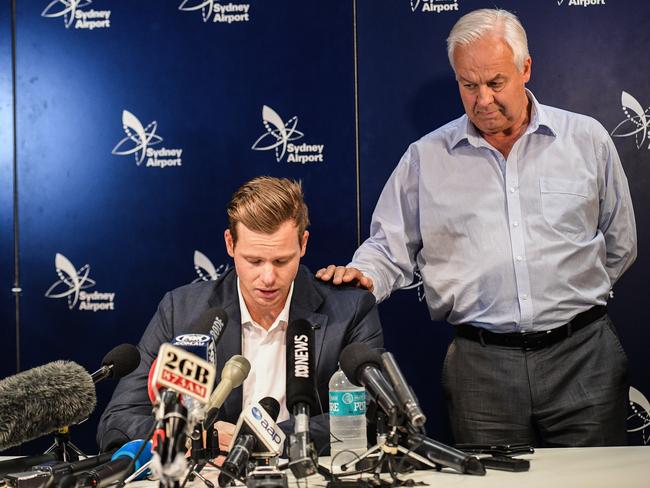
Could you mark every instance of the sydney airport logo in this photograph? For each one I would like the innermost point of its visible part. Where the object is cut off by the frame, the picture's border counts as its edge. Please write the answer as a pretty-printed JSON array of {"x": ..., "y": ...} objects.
[
  {"x": 280, "y": 137},
  {"x": 72, "y": 285},
  {"x": 639, "y": 420},
  {"x": 636, "y": 122},
  {"x": 216, "y": 12},
  {"x": 73, "y": 13},
  {"x": 434, "y": 6},
  {"x": 204, "y": 268},
  {"x": 139, "y": 141},
  {"x": 418, "y": 285},
  {"x": 580, "y": 3}
]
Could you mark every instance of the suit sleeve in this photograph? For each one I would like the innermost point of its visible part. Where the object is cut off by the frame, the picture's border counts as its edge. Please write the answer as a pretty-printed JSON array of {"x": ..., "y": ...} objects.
[{"x": 128, "y": 415}]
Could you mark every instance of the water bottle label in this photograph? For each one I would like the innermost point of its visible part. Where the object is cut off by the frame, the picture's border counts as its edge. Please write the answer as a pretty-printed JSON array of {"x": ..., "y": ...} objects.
[{"x": 347, "y": 403}]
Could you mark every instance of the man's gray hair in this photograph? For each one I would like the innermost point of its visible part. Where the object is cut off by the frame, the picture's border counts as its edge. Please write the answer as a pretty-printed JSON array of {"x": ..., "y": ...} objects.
[{"x": 480, "y": 23}]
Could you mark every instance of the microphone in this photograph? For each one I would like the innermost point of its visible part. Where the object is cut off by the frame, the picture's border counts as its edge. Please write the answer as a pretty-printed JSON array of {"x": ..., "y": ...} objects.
[
  {"x": 180, "y": 374},
  {"x": 257, "y": 434},
  {"x": 405, "y": 395},
  {"x": 42, "y": 400},
  {"x": 204, "y": 334},
  {"x": 119, "y": 362},
  {"x": 18, "y": 464},
  {"x": 445, "y": 455},
  {"x": 233, "y": 375},
  {"x": 362, "y": 366},
  {"x": 301, "y": 397},
  {"x": 113, "y": 470}
]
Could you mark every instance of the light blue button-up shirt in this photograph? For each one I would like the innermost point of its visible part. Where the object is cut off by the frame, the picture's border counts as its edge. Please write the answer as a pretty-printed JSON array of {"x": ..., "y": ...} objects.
[{"x": 517, "y": 244}]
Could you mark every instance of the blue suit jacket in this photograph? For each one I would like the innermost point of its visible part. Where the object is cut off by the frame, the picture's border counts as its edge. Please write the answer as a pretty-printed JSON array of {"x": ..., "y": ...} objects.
[{"x": 340, "y": 315}]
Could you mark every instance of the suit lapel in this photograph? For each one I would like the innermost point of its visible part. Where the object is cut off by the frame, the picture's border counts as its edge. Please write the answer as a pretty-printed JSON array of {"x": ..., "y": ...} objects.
[
  {"x": 304, "y": 303},
  {"x": 230, "y": 343}
]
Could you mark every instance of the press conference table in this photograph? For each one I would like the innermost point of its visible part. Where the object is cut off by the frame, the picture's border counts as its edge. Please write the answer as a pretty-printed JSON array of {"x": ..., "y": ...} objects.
[{"x": 591, "y": 467}]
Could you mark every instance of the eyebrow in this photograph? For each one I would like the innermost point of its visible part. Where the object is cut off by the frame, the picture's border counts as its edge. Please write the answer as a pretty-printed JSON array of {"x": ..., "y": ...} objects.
[
  {"x": 274, "y": 258},
  {"x": 465, "y": 80}
]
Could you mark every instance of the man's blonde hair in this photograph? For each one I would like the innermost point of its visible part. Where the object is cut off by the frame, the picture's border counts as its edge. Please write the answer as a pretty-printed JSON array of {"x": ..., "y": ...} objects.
[{"x": 264, "y": 203}]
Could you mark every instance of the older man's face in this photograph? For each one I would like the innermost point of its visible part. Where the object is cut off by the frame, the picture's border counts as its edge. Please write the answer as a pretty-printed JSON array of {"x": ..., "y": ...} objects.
[{"x": 491, "y": 86}]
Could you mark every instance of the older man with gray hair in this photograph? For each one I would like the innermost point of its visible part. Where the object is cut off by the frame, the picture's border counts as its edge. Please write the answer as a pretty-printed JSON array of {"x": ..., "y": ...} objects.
[{"x": 519, "y": 219}]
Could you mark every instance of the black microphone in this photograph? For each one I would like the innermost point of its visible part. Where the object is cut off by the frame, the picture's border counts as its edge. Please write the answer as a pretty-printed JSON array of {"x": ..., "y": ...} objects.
[
  {"x": 445, "y": 455},
  {"x": 254, "y": 433},
  {"x": 18, "y": 464},
  {"x": 42, "y": 400},
  {"x": 407, "y": 398},
  {"x": 119, "y": 362},
  {"x": 301, "y": 397},
  {"x": 57, "y": 471},
  {"x": 362, "y": 366},
  {"x": 113, "y": 470}
]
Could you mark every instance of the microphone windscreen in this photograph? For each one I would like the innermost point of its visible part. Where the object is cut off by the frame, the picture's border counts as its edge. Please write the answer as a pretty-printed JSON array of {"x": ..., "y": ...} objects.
[
  {"x": 130, "y": 449},
  {"x": 271, "y": 405},
  {"x": 355, "y": 356},
  {"x": 124, "y": 358},
  {"x": 301, "y": 381},
  {"x": 213, "y": 322},
  {"x": 41, "y": 400}
]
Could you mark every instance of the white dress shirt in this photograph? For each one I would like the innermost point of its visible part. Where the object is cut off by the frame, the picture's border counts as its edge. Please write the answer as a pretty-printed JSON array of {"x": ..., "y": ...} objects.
[{"x": 266, "y": 351}]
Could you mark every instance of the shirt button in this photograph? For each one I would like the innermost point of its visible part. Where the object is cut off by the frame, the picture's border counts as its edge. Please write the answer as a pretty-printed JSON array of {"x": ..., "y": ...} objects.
[
  {"x": 512, "y": 189},
  {"x": 519, "y": 258},
  {"x": 515, "y": 224},
  {"x": 524, "y": 297}
]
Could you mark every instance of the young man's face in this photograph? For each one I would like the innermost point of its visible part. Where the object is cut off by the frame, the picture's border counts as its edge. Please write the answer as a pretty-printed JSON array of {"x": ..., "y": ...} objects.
[{"x": 266, "y": 265}]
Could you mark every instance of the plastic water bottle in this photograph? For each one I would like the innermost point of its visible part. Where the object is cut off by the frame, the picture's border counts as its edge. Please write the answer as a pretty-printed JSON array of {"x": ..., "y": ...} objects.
[{"x": 347, "y": 419}]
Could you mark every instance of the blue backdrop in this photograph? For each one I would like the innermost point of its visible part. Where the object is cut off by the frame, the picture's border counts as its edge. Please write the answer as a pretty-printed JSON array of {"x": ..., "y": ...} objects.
[{"x": 137, "y": 120}]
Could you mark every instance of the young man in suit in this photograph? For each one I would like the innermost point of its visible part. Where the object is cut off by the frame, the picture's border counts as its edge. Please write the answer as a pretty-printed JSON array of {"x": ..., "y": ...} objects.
[{"x": 265, "y": 291}]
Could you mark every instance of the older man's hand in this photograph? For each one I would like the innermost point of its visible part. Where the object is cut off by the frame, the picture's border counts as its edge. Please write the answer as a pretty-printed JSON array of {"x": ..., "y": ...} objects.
[{"x": 341, "y": 274}]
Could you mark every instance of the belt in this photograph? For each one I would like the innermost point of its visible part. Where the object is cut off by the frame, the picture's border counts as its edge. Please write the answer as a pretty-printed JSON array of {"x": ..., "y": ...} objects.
[{"x": 531, "y": 341}]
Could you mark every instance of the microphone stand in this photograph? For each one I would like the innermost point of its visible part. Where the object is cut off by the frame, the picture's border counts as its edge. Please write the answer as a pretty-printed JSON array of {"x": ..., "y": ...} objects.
[
  {"x": 388, "y": 447},
  {"x": 201, "y": 456},
  {"x": 63, "y": 447}
]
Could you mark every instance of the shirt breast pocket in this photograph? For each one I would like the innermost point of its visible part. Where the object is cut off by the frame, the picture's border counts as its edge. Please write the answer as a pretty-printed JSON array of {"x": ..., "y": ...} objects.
[{"x": 565, "y": 206}]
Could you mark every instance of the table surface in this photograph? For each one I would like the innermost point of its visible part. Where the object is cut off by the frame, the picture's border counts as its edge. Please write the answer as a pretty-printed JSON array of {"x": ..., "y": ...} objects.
[{"x": 589, "y": 467}]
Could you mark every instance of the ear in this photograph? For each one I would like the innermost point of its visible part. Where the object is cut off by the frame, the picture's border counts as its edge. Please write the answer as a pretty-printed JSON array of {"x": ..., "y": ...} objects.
[
  {"x": 527, "y": 69},
  {"x": 303, "y": 247},
  {"x": 230, "y": 243}
]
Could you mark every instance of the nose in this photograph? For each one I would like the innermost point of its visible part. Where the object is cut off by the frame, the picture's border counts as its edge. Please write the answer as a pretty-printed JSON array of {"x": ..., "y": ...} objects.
[
  {"x": 484, "y": 97},
  {"x": 268, "y": 275}
]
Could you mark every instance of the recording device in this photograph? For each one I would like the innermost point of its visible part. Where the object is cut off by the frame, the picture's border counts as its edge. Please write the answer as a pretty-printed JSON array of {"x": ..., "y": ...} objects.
[
  {"x": 403, "y": 391},
  {"x": 444, "y": 455},
  {"x": 257, "y": 435},
  {"x": 301, "y": 396},
  {"x": 119, "y": 362},
  {"x": 233, "y": 375},
  {"x": 506, "y": 463},
  {"x": 117, "y": 468},
  {"x": 20, "y": 464},
  {"x": 266, "y": 477},
  {"x": 50, "y": 472},
  {"x": 362, "y": 366},
  {"x": 496, "y": 449},
  {"x": 42, "y": 400}
]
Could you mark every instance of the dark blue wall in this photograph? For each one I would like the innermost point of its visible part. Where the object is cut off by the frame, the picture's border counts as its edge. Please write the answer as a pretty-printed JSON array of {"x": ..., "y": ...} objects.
[{"x": 204, "y": 84}]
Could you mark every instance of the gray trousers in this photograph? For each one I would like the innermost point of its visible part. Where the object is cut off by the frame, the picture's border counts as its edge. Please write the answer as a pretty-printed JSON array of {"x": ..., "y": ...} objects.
[{"x": 572, "y": 393}]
